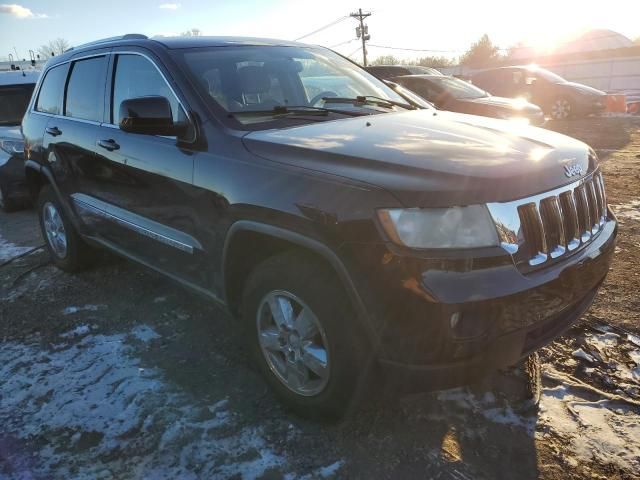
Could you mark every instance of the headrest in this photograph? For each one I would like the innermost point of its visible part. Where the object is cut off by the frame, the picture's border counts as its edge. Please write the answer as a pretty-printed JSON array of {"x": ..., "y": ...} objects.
[{"x": 254, "y": 79}]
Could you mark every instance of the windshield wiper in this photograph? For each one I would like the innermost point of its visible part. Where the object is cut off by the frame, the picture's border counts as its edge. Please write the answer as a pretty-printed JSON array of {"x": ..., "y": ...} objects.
[
  {"x": 296, "y": 110},
  {"x": 370, "y": 100}
]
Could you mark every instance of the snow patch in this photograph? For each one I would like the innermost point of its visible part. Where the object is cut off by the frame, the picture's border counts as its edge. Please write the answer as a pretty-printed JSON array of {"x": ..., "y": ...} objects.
[
  {"x": 8, "y": 250},
  {"x": 593, "y": 427},
  {"x": 77, "y": 332},
  {"x": 487, "y": 406},
  {"x": 580, "y": 353},
  {"x": 144, "y": 333},
  {"x": 95, "y": 395},
  {"x": 329, "y": 470},
  {"x": 630, "y": 210},
  {"x": 85, "y": 308}
]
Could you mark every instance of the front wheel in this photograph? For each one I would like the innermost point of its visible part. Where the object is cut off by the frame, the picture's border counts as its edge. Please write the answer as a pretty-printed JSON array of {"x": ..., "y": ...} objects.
[{"x": 304, "y": 335}]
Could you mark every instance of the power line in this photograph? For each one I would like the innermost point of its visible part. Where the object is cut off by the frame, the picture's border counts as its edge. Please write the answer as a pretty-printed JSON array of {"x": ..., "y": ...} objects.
[
  {"x": 353, "y": 53},
  {"x": 415, "y": 49},
  {"x": 342, "y": 43},
  {"x": 323, "y": 28},
  {"x": 502, "y": 49}
]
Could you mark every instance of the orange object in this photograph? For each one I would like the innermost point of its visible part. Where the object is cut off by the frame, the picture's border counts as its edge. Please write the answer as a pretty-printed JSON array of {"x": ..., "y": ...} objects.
[{"x": 616, "y": 103}]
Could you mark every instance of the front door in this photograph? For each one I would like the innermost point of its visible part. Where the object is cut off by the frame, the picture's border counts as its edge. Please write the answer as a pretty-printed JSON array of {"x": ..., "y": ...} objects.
[{"x": 149, "y": 196}]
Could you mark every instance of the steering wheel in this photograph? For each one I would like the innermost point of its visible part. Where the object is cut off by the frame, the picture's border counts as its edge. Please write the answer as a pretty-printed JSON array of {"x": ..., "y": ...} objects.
[{"x": 320, "y": 96}]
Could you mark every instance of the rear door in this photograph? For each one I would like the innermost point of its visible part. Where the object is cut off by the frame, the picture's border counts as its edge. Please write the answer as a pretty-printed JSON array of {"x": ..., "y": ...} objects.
[
  {"x": 72, "y": 97},
  {"x": 148, "y": 195}
]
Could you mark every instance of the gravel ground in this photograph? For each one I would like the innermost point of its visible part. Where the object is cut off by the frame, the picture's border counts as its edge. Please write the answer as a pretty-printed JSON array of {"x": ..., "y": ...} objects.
[{"x": 118, "y": 373}]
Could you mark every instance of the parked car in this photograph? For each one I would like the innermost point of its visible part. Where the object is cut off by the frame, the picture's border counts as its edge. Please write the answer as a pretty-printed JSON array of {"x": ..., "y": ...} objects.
[
  {"x": 341, "y": 233},
  {"x": 387, "y": 72},
  {"x": 16, "y": 88},
  {"x": 452, "y": 94},
  {"x": 558, "y": 98}
]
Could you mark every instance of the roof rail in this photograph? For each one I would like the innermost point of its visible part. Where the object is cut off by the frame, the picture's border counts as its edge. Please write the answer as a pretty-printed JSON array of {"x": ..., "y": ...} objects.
[{"x": 128, "y": 36}]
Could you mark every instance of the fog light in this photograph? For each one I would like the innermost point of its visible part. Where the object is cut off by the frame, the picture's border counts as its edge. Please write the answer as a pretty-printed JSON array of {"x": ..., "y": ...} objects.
[{"x": 469, "y": 325}]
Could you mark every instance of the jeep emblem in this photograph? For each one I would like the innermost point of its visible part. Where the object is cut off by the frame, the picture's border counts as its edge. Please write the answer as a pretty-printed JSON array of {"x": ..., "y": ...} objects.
[{"x": 573, "y": 169}]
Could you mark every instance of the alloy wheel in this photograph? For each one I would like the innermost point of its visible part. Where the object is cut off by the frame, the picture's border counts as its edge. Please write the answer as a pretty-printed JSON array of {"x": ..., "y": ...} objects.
[
  {"x": 561, "y": 109},
  {"x": 293, "y": 343},
  {"x": 54, "y": 229}
]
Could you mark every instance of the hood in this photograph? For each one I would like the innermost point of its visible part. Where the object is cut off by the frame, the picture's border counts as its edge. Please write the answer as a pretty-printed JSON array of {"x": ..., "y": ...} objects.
[
  {"x": 428, "y": 158},
  {"x": 514, "y": 104},
  {"x": 12, "y": 132},
  {"x": 584, "y": 89}
]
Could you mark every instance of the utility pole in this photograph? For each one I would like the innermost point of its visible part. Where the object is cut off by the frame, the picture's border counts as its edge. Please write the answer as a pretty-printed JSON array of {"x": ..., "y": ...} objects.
[{"x": 362, "y": 32}]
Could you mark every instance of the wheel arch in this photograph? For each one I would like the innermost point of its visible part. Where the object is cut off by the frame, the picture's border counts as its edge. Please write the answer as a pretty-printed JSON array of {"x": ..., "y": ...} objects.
[
  {"x": 240, "y": 256},
  {"x": 38, "y": 176}
]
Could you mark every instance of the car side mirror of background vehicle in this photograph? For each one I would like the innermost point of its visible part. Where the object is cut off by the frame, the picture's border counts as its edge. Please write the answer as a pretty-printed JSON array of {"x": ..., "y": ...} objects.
[
  {"x": 531, "y": 80},
  {"x": 148, "y": 116}
]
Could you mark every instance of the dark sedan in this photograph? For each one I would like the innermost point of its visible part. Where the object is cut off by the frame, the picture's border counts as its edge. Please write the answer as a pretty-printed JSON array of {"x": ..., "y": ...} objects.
[
  {"x": 15, "y": 92},
  {"x": 449, "y": 93},
  {"x": 386, "y": 72},
  {"x": 558, "y": 98}
]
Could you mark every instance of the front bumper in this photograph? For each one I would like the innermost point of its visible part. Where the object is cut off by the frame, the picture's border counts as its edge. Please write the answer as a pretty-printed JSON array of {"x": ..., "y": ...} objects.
[
  {"x": 13, "y": 177},
  {"x": 442, "y": 323}
]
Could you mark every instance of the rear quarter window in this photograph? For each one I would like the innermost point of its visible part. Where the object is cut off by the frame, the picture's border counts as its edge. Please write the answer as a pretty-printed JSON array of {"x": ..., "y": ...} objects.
[{"x": 50, "y": 95}]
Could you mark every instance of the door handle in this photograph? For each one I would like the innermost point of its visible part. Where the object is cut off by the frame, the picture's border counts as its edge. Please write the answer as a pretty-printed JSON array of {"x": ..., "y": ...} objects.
[
  {"x": 53, "y": 131},
  {"x": 110, "y": 144}
]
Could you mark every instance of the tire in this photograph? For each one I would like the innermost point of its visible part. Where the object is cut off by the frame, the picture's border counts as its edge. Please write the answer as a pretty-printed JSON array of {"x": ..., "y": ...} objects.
[
  {"x": 520, "y": 385},
  {"x": 561, "y": 108},
  {"x": 316, "y": 297},
  {"x": 76, "y": 254}
]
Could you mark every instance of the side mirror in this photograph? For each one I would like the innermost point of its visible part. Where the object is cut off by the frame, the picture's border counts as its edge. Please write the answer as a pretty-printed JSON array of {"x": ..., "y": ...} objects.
[
  {"x": 148, "y": 116},
  {"x": 531, "y": 80}
]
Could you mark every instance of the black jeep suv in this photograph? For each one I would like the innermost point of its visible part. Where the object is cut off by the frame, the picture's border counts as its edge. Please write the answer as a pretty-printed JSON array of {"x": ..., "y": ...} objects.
[{"x": 342, "y": 226}]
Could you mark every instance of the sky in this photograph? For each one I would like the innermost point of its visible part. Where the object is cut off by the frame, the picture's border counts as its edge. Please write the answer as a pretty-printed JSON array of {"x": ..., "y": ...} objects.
[{"x": 447, "y": 26}]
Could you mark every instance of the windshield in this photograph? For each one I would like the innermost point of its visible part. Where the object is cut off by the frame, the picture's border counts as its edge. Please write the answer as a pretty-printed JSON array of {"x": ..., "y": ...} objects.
[
  {"x": 458, "y": 88},
  {"x": 13, "y": 103},
  {"x": 249, "y": 82},
  {"x": 548, "y": 76}
]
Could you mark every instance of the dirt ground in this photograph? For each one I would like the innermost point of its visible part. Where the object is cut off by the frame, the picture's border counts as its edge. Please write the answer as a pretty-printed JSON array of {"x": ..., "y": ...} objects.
[{"x": 118, "y": 373}]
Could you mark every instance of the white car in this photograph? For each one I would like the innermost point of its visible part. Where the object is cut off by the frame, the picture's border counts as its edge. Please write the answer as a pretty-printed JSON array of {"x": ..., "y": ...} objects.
[{"x": 16, "y": 87}]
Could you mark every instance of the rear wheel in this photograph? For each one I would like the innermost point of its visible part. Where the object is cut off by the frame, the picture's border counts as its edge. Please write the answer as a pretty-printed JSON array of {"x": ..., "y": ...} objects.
[
  {"x": 67, "y": 249},
  {"x": 304, "y": 336},
  {"x": 561, "y": 108}
]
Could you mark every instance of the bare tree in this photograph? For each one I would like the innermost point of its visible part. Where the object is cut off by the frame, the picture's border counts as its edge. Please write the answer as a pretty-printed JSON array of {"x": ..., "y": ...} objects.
[
  {"x": 193, "y": 32},
  {"x": 435, "y": 61},
  {"x": 386, "y": 60},
  {"x": 53, "y": 48}
]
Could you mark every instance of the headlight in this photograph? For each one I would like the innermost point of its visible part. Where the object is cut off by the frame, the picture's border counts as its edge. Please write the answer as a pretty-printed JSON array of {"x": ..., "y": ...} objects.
[
  {"x": 454, "y": 227},
  {"x": 12, "y": 147}
]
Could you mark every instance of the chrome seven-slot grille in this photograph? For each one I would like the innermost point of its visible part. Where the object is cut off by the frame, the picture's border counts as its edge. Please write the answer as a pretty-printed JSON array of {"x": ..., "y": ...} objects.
[{"x": 539, "y": 229}]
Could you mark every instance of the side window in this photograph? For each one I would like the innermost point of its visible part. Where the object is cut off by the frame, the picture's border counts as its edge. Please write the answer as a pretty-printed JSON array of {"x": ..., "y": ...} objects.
[
  {"x": 135, "y": 76},
  {"x": 85, "y": 90},
  {"x": 50, "y": 96}
]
